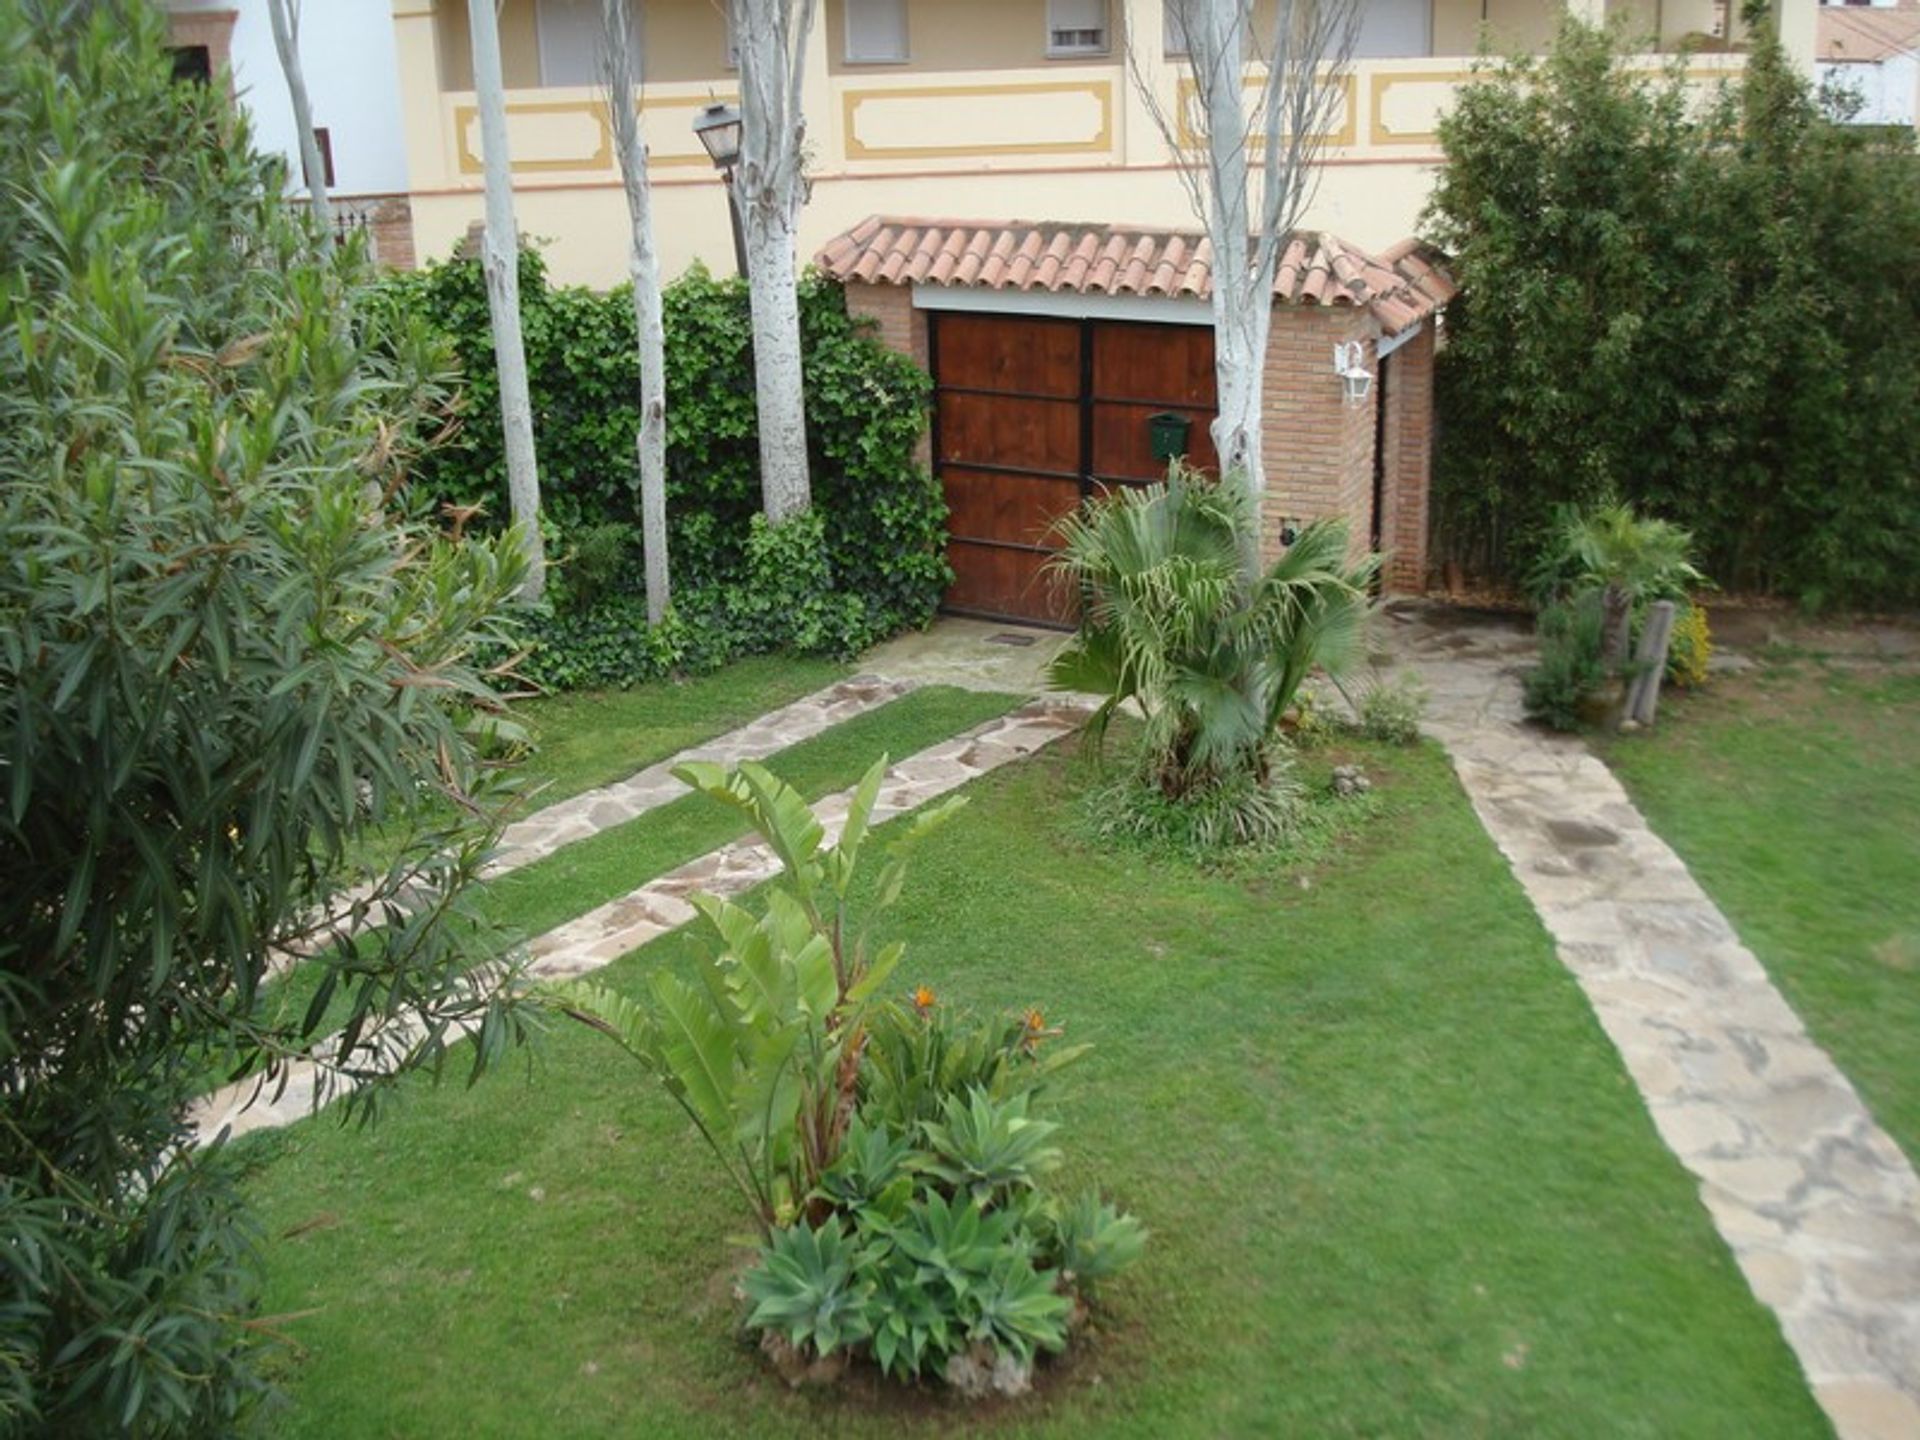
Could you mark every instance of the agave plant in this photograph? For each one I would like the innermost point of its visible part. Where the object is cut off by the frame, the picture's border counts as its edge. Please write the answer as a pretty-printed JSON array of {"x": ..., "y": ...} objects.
[{"x": 1171, "y": 624}]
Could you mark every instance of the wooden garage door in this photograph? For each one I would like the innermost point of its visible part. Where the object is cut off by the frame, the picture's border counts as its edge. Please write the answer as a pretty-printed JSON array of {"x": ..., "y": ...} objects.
[{"x": 1032, "y": 415}]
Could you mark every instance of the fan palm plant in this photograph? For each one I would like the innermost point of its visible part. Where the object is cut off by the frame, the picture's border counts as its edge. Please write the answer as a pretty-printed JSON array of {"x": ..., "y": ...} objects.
[
  {"x": 1170, "y": 624},
  {"x": 1631, "y": 559}
]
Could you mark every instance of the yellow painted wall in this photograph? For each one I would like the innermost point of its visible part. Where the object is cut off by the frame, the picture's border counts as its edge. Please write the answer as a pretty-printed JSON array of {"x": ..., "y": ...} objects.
[
  {"x": 1509, "y": 26},
  {"x": 980, "y": 35},
  {"x": 586, "y": 234},
  {"x": 519, "y": 45},
  {"x": 684, "y": 40}
]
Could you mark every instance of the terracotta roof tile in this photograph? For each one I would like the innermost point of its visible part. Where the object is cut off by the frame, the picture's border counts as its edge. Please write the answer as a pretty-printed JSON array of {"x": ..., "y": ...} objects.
[{"x": 1401, "y": 285}]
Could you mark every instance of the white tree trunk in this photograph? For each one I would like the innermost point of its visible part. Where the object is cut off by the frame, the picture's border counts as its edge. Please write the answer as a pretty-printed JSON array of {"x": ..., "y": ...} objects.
[
  {"x": 284, "y": 15},
  {"x": 781, "y": 398},
  {"x": 623, "y": 83},
  {"x": 770, "y": 186},
  {"x": 500, "y": 263},
  {"x": 1289, "y": 122},
  {"x": 1217, "y": 34}
]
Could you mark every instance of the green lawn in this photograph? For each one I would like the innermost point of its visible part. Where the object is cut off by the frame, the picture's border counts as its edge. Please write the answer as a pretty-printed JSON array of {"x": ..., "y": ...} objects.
[
  {"x": 595, "y": 737},
  {"x": 578, "y": 877},
  {"x": 1397, "y": 1181},
  {"x": 1793, "y": 794}
]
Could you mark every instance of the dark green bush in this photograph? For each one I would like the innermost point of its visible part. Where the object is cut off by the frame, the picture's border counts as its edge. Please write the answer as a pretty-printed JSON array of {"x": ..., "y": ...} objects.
[
  {"x": 870, "y": 562},
  {"x": 1710, "y": 313},
  {"x": 1569, "y": 685}
]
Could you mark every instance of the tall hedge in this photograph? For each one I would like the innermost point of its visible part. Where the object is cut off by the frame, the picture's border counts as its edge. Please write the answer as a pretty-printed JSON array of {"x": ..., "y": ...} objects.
[
  {"x": 1713, "y": 312},
  {"x": 879, "y": 514}
]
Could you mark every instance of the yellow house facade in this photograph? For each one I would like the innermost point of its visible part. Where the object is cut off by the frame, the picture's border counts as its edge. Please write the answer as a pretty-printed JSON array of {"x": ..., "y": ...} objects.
[{"x": 952, "y": 107}]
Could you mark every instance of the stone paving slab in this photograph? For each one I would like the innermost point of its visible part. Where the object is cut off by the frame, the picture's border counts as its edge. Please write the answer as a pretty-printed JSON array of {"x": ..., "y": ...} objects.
[
  {"x": 540, "y": 834},
  {"x": 1819, "y": 1206},
  {"x": 580, "y": 817},
  {"x": 603, "y": 935}
]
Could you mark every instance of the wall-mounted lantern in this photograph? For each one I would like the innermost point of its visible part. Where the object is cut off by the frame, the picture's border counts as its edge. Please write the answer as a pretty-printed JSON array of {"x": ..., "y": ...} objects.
[{"x": 1350, "y": 364}]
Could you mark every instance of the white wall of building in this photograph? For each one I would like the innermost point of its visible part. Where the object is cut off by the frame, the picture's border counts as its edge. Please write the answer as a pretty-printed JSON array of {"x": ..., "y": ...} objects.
[
  {"x": 353, "y": 81},
  {"x": 1889, "y": 89}
]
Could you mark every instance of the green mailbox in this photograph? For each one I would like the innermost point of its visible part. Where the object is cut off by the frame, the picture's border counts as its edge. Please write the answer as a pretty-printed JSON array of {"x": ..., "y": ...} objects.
[{"x": 1167, "y": 434}]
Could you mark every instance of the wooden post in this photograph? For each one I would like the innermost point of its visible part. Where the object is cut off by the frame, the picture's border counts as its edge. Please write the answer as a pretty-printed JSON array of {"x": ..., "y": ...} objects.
[{"x": 1651, "y": 663}]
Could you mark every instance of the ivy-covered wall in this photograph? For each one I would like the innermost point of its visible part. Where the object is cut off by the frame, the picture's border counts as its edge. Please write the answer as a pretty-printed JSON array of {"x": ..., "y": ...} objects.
[{"x": 867, "y": 562}]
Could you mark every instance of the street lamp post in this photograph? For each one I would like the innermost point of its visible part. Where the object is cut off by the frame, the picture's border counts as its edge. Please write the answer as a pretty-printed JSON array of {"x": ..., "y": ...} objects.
[{"x": 718, "y": 127}]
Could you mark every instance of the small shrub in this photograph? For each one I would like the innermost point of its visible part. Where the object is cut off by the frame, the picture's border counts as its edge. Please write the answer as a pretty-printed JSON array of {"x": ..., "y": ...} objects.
[
  {"x": 1572, "y": 677},
  {"x": 595, "y": 564},
  {"x": 1690, "y": 648},
  {"x": 1390, "y": 710}
]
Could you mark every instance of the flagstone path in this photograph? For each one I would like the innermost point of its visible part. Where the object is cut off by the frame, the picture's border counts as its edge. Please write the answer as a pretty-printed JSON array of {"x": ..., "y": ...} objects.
[
  {"x": 1819, "y": 1206},
  {"x": 584, "y": 815},
  {"x": 580, "y": 817},
  {"x": 603, "y": 935}
]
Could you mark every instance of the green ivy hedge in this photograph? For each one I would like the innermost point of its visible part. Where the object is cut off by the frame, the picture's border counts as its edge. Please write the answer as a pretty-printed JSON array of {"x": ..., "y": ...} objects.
[
  {"x": 1710, "y": 312},
  {"x": 867, "y": 562}
]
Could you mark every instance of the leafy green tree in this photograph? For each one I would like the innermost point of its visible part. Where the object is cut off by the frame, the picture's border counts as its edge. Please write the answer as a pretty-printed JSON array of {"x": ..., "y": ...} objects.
[
  {"x": 1707, "y": 309},
  {"x": 226, "y": 653}
]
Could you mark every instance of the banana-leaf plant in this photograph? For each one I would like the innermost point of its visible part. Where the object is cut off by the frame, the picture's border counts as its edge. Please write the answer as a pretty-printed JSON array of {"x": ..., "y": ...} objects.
[{"x": 762, "y": 1049}]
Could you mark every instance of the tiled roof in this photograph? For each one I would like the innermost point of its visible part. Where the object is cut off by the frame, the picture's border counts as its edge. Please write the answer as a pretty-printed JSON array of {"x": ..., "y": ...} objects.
[
  {"x": 1400, "y": 286},
  {"x": 1868, "y": 33}
]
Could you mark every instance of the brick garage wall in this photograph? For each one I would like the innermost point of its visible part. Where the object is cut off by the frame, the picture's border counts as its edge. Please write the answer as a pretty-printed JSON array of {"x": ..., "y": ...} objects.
[
  {"x": 1409, "y": 463},
  {"x": 897, "y": 325},
  {"x": 890, "y": 307},
  {"x": 1318, "y": 449}
]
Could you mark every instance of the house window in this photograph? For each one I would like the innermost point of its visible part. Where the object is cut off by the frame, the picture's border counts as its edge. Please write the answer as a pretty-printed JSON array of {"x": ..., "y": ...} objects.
[
  {"x": 192, "y": 64},
  {"x": 1076, "y": 27},
  {"x": 876, "y": 32},
  {"x": 569, "y": 36},
  {"x": 323, "y": 138},
  {"x": 1173, "y": 27}
]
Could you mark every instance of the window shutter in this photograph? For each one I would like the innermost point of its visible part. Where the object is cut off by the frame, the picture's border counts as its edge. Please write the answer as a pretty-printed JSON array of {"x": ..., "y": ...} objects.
[
  {"x": 1076, "y": 27},
  {"x": 876, "y": 31}
]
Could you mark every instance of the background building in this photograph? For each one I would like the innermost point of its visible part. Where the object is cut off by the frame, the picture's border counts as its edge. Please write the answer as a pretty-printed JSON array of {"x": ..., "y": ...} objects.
[{"x": 349, "y": 58}]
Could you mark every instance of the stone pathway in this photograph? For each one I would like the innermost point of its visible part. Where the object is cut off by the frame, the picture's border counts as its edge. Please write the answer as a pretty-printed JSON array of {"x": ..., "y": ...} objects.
[
  {"x": 584, "y": 815},
  {"x": 601, "y": 936},
  {"x": 1819, "y": 1206}
]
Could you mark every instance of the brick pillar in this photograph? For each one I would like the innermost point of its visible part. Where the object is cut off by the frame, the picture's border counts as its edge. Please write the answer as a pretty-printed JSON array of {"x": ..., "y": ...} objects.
[
  {"x": 897, "y": 325},
  {"x": 1318, "y": 449},
  {"x": 1409, "y": 464},
  {"x": 211, "y": 28},
  {"x": 390, "y": 223}
]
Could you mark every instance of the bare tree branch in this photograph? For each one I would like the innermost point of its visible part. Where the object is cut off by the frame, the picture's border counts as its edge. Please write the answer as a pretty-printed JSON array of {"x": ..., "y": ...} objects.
[{"x": 1299, "y": 67}]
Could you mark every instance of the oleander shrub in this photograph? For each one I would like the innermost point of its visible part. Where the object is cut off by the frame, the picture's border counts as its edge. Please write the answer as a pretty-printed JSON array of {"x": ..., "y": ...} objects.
[
  {"x": 870, "y": 562},
  {"x": 1706, "y": 309},
  {"x": 228, "y": 654},
  {"x": 895, "y": 1155}
]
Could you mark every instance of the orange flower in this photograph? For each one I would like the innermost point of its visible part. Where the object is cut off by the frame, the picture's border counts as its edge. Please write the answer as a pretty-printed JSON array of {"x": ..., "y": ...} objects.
[
  {"x": 1034, "y": 1029},
  {"x": 923, "y": 998}
]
